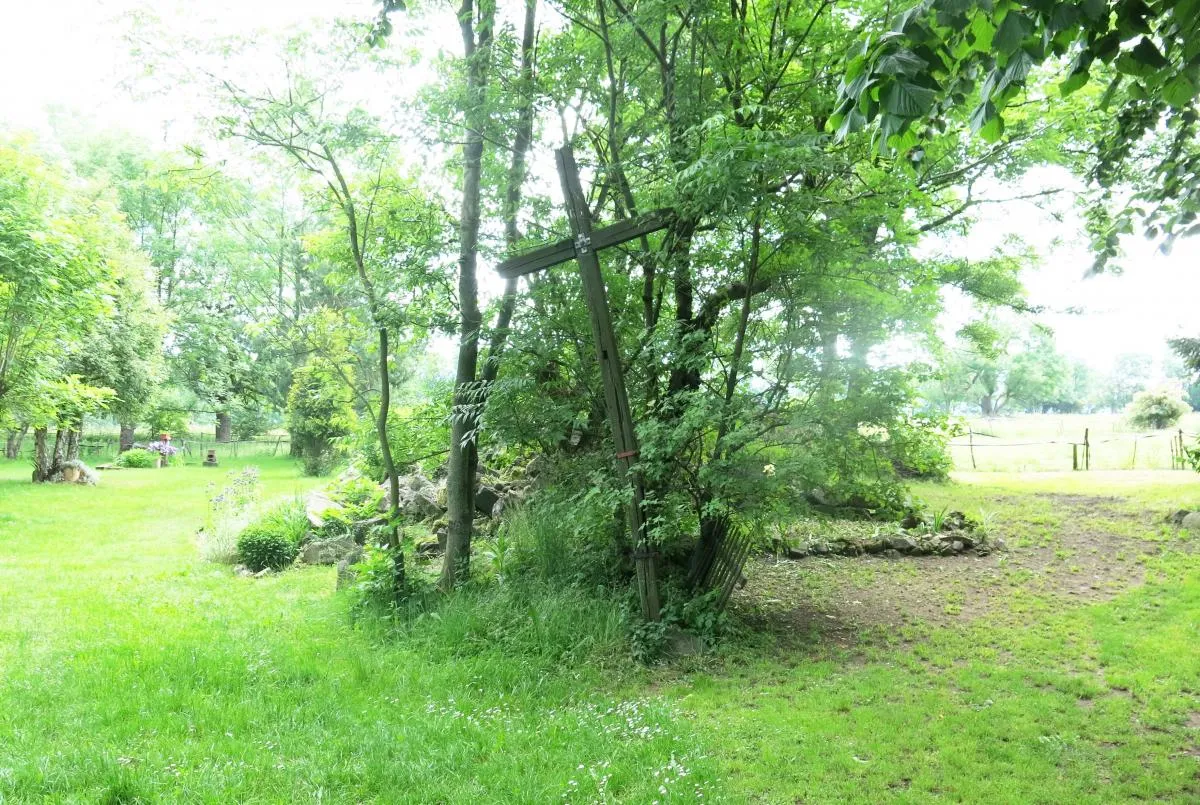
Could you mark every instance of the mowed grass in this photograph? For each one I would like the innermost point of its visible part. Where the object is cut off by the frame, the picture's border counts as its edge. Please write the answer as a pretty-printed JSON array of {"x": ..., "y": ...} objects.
[
  {"x": 1042, "y": 442},
  {"x": 132, "y": 671}
]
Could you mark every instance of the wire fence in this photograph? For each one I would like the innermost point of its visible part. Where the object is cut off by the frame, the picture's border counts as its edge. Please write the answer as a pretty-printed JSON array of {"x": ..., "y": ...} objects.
[
  {"x": 978, "y": 450},
  {"x": 99, "y": 447}
]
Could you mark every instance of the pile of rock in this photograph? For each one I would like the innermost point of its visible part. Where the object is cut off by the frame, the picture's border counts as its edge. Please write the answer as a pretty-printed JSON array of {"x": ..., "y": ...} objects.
[
  {"x": 422, "y": 500},
  {"x": 1185, "y": 519},
  {"x": 958, "y": 535}
]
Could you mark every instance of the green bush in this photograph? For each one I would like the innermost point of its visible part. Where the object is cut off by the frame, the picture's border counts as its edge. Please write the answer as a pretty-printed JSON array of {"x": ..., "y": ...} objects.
[
  {"x": 1155, "y": 410},
  {"x": 252, "y": 422},
  {"x": 262, "y": 546},
  {"x": 288, "y": 520},
  {"x": 319, "y": 413},
  {"x": 919, "y": 447},
  {"x": 137, "y": 459},
  {"x": 168, "y": 420}
]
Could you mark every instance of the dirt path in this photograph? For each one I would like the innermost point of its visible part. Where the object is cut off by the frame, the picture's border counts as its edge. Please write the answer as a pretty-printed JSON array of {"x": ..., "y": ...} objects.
[{"x": 1089, "y": 548}]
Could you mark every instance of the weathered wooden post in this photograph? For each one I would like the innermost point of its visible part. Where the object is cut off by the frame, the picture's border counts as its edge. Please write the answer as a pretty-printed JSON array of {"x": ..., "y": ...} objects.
[
  {"x": 971, "y": 445},
  {"x": 583, "y": 247},
  {"x": 1087, "y": 450}
]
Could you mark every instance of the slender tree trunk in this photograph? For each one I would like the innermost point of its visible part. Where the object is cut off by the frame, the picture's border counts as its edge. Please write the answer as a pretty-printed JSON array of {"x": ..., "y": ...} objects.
[
  {"x": 71, "y": 451},
  {"x": 512, "y": 197},
  {"x": 12, "y": 445},
  {"x": 224, "y": 431},
  {"x": 128, "y": 430},
  {"x": 385, "y": 449},
  {"x": 47, "y": 461},
  {"x": 42, "y": 463},
  {"x": 61, "y": 438},
  {"x": 460, "y": 483}
]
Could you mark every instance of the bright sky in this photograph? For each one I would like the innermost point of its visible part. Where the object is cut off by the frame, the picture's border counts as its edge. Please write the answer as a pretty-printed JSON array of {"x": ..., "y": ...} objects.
[{"x": 71, "y": 53}]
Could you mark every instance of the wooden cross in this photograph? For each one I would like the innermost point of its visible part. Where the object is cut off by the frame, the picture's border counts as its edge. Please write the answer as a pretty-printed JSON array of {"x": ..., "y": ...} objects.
[{"x": 582, "y": 247}]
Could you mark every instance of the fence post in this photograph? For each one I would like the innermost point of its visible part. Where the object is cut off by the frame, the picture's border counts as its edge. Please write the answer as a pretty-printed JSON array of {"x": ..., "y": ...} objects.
[
  {"x": 1133, "y": 461},
  {"x": 1087, "y": 450},
  {"x": 971, "y": 444},
  {"x": 1074, "y": 456}
]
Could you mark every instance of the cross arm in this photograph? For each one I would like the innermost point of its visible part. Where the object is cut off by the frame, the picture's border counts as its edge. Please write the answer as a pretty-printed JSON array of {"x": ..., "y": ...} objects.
[{"x": 564, "y": 250}]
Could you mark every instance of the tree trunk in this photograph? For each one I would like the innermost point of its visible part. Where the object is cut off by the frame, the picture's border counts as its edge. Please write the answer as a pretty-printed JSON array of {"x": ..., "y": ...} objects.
[
  {"x": 127, "y": 435},
  {"x": 224, "y": 427},
  {"x": 47, "y": 462},
  {"x": 385, "y": 449},
  {"x": 460, "y": 483},
  {"x": 985, "y": 405},
  {"x": 71, "y": 450},
  {"x": 41, "y": 460},
  {"x": 12, "y": 445}
]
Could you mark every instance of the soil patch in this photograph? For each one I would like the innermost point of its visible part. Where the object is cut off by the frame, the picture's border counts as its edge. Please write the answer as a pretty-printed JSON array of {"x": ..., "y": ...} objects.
[{"x": 851, "y": 600}]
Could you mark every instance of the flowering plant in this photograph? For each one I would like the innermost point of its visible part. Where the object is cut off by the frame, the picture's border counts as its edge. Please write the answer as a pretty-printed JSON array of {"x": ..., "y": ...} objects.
[{"x": 164, "y": 449}]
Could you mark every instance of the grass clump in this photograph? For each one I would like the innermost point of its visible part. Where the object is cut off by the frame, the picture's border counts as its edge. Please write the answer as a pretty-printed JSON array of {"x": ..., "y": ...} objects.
[
  {"x": 137, "y": 459},
  {"x": 288, "y": 520}
]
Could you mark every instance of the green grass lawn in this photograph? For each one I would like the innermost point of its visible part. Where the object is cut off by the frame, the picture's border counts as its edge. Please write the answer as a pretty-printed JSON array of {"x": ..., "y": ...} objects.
[
  {"x": 130, "y": 670},
  {"x": 1041, "y": 442}
]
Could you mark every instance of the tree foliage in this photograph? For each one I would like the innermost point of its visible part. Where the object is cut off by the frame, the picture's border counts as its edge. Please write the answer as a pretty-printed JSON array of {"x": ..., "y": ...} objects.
[{"x": 942, "y": 55}]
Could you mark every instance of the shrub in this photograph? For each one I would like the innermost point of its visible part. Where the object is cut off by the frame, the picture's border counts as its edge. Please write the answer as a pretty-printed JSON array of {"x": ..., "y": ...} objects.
[
  {"x": 289, "y": 520},
  {"x": 1155, "y": 410},
  {"x": 250, "y": 422},
  {"x": 137, "y": 458},
  {"x": 168, "y": 420},
  {"x": 919, "y": 447},
  {"x": 261, "y": 546},
  {"x": 319, "y": 413}
]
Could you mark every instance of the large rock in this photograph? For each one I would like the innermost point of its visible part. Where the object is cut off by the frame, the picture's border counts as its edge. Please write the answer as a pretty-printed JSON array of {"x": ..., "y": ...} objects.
[
  {"x": 331, "y": 551},
  {"x": 316, "y": 505},
  {"x": 486, "y": 499},
  {"x": 1191, "y": 522},
  {"x": 418, "y": 497}
]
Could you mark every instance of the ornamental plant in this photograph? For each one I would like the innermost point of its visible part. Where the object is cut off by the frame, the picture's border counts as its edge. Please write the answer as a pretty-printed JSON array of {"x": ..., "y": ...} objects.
[{"x": 164, "y": 449}]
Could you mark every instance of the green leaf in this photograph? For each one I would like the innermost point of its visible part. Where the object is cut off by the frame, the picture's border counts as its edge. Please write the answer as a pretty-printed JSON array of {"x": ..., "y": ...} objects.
[
  {"x": 1017, "y": 69},
  {"x": 1073, "y": 82},
  {"x": 1180, "y": 92},
  {"x": 908, "y": 100},
  {"x": 854, "y": 121},
  {"x": 993, "y": 130},
  {"x": 901, "y": 62},
  {"x": 983, "y": 31},
  {"x": 1012, "y": 32},
  {"x": 1143, "y": 61},
  {"x": 1095, "y": 9}
]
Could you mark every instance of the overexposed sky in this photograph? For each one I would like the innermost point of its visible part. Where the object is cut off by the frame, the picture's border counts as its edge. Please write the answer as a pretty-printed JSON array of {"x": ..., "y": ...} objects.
[{"x": 72, "y": 53}]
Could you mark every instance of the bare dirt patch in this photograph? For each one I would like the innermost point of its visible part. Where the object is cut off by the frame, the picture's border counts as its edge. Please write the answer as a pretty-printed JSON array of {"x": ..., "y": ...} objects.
[{"x": 846, "y": 600}]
